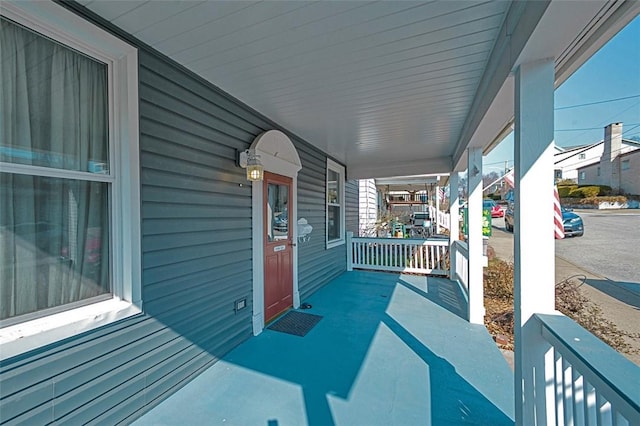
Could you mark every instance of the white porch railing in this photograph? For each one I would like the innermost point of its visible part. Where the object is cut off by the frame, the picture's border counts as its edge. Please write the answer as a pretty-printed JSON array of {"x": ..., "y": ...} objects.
[
  {"x": 422, "y": 256},
  {"x": 591, "y": 383},
  {"x": 442, "y": 217},
  {"x": 460, "y": 252}
]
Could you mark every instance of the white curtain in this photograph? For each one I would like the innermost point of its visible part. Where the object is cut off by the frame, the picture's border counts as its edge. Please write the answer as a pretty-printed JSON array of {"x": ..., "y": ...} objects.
[{"x": 54, "y": 232}]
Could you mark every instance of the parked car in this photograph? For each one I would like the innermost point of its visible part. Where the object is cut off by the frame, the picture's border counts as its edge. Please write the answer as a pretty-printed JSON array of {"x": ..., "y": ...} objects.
[
  {"x": 508, "y": 218},
  {"x": 496, "y": 210},
  {"x": 572, "y": 223}
]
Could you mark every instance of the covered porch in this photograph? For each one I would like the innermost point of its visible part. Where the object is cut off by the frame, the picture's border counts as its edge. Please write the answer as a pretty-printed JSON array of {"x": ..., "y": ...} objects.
[
  {"x": 367, "y": 90},
  {"x": 391, "y": 348}
]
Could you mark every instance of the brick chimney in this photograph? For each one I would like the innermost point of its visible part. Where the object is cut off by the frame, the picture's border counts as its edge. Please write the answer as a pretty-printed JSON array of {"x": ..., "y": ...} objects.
[{"x": 609, "y": 164}]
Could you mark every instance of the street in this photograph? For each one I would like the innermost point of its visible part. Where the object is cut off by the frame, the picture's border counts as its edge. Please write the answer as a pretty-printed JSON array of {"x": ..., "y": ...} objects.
[{"x": 609, "y": 246}]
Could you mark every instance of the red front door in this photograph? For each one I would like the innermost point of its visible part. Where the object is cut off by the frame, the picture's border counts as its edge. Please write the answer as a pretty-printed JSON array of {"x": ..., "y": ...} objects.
[{"x": 278, "y": 244}]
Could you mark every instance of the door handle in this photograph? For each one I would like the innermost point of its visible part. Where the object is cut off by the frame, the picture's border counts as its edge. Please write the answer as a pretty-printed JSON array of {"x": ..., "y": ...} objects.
[{"x": 292, "y": 244}]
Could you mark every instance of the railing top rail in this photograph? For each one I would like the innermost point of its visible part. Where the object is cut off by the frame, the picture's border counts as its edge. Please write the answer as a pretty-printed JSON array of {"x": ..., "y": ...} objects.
[
  {"x": 428, "y": 241},
  {"x": 617, "y": 372}
]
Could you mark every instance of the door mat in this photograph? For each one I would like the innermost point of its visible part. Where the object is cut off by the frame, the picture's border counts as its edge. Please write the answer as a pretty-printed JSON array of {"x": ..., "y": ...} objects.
[{"x": 296, "y": 323}]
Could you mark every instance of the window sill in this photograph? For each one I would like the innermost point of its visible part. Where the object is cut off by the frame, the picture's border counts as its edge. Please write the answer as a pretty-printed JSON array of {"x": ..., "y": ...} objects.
[
  {"x": 20, "y": 338},
  {"x": 335, "y": 243}
]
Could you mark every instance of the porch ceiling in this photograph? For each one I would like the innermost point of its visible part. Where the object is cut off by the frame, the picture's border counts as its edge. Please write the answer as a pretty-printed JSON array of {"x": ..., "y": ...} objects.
[{"x": 388, "y": 88}]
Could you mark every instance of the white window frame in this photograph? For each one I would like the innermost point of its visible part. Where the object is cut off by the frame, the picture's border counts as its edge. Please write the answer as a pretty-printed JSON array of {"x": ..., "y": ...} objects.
[
  {"x": 333, "y": 166},
  {"x": 57, "y": 23}
]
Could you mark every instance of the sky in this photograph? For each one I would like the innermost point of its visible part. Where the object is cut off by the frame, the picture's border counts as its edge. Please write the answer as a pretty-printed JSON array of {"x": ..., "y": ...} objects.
[{"x": 610, "y": 75}]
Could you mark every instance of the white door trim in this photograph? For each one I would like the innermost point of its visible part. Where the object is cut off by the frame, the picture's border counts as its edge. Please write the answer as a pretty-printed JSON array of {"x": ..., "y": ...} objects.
[{"x": 278, "y": 155}]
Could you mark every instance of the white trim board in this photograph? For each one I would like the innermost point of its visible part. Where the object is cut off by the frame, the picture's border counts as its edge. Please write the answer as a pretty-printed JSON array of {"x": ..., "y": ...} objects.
[{"x": 278, "y": 155}]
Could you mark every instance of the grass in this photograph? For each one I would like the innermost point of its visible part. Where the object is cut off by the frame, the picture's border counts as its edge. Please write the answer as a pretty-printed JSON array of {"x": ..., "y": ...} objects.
[{"x": 570, "y": 300}]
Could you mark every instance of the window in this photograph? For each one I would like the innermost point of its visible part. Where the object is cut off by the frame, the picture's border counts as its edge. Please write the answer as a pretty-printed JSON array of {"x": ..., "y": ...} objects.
[
  {"x": 335, "y": 204},
  {"x": 598, "y": 171},
  {"x": 583, "y": 175},
  {"x": 625, "y": 165},
  {"x": 582, "y": 156},
  {"x": 68, "y": 176}
]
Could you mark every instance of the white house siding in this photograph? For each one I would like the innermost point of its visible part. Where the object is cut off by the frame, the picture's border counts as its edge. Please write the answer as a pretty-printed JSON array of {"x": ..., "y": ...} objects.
[
  {"x": 368, "y": 208},
  {"x": 630, "y": 178},
  {"x": 196, "y": 244},
  {"x": 570, "y": 161}
]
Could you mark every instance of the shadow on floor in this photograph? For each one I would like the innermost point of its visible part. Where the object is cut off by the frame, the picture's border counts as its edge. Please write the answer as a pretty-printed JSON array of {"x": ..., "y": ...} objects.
[{"x": 383, "y": 354}]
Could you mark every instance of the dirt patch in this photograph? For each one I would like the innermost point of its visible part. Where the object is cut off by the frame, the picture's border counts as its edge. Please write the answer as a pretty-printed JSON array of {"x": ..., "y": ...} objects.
[{"x": 570, "y": 300}]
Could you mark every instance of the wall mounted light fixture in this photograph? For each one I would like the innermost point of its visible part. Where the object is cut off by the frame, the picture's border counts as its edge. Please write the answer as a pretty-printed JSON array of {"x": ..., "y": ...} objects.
[{"x": 248, "y": 159}]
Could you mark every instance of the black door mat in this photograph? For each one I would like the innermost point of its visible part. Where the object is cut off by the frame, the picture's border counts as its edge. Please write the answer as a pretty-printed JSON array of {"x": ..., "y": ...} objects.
[{"x": 296, "y": 323}]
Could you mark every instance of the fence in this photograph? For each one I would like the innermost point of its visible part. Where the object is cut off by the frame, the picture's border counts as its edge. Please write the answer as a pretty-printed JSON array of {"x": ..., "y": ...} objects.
[{"x": 429, "y": 256}]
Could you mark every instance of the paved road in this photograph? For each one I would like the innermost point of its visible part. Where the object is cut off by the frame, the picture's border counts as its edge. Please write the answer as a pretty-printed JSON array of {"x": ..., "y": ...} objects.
[{"x": 609, "y": 246}]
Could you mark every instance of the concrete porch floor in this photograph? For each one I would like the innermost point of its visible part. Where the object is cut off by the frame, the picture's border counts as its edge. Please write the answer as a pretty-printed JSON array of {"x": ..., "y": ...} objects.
[{"x": 391, "y": 349}]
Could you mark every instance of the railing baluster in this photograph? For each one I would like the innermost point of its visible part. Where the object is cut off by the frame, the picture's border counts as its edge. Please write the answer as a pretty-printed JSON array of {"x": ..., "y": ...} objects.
[
  {"x": 387, "y": 255},
  {"x": 557, "y": 387},
  {"x": 367, "y": 255},
  {"x": 590, "y": 410},
  {"x": 578, "y": 397},
  {"x": 567, "y": 392},
  {"x": 604, "y": 410}
]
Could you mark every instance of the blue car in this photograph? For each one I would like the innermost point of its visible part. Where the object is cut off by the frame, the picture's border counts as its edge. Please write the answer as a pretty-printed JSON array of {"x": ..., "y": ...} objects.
[
  {"x": 572, "y": 223},
  {"x": 573, "y": 226}
]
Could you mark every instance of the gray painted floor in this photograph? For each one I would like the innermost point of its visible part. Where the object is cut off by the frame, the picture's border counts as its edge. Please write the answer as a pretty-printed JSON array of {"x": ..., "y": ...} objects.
[{"x": 390, "y": 350}]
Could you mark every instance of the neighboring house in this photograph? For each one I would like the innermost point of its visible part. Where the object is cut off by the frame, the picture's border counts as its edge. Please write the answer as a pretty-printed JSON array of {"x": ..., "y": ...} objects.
[
  {"x": 618, "y": 165},
  {"x": 569, "y": 160},
  {"x": 404, "y": 195}
]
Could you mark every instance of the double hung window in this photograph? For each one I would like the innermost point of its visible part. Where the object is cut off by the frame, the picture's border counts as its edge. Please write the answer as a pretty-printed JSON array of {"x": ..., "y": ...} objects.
[
  {"x": 335, "y": 204},
  {"x": 55, "y": 180},
  {"x": 68, "y": 175}
]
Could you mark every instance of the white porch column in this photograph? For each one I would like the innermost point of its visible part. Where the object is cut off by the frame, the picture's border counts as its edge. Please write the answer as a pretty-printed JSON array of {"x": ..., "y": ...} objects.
[
  {"x": 534, "y": 246},
  {"x": 438, "y": 205},
  {"x": 454, "y": 221},
  {"x": 474, "y": 220}
]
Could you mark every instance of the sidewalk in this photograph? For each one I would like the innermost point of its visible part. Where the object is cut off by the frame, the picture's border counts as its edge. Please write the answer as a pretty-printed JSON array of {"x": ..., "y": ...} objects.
[{"x": 619, "y": 305}]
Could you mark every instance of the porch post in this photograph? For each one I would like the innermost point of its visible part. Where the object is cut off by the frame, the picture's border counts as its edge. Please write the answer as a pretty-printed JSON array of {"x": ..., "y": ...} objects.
[
  {"x": 534, "y": 244},
  {"x": 438, "y": 205},
  {"x": 474, "y": 221},
  {"x": 454, "y": 218},
  {"x": 349, "y": 251}
]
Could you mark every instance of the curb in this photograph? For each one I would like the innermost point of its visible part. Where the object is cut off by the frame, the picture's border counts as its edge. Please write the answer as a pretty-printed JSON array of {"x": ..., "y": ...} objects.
[{"x": 580, "y": 268}]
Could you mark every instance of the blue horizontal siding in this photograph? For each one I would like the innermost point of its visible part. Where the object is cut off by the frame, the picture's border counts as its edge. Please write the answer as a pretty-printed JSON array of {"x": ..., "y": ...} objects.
[{"x": 196, "y": 259}]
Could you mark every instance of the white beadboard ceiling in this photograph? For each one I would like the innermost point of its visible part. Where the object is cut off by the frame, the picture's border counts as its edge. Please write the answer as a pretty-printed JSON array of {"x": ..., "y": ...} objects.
[{"x": 389, "y": 88}]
